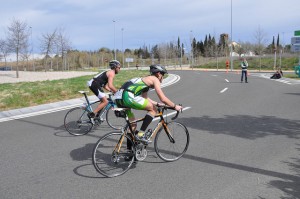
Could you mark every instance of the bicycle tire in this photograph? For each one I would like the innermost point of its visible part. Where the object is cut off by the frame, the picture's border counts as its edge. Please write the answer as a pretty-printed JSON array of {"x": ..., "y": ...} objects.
[
  {"x": 113, "y": 121},
  {"x": 77, "y": 122},
  {"x": 167, "y": 150},
  {"x": 106, "y": 162}
]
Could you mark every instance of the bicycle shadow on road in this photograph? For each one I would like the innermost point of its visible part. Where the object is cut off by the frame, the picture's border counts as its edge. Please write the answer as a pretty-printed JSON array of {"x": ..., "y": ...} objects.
[
  {"x": 84, "y": 154},
  {"x": 64, "y": 133}
]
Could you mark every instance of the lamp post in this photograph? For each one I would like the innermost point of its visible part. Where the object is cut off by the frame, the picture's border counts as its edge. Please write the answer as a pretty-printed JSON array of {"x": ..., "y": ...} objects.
[
  {"x": 122, "y": 48},
  {"x": 115, "y": 39},
  {"x": 33, "y": 68},
  {"x": 192, "y": 50},
  {"x": 231, "y": 63}
]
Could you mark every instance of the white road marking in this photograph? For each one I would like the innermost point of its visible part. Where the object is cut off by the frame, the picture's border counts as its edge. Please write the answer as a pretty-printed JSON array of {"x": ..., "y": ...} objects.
[
  {"x": 222, "y": 91},
  {"x": 226, "y": 80},
  {"x": 38, "y": 113}
]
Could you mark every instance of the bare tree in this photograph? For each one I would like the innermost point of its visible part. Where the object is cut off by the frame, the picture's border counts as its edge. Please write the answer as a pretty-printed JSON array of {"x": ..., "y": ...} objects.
[
  {"x": 63, "y": 45},
  {"x": 17, "y": 38},
  {"x": 4, "y": 50},
  {"x": 47, "y": 45},
  {"x": 260, "y": 42}
]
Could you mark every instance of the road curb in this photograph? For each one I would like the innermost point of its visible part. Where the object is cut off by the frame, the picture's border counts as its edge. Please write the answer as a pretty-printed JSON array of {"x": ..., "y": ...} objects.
[{"x": 62, "y": 105}]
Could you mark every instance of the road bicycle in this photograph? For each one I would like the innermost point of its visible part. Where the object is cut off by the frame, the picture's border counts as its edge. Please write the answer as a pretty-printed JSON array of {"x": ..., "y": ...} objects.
[
  {"x": 77, "y": 122},
  {"x": 115, "y": 152}
]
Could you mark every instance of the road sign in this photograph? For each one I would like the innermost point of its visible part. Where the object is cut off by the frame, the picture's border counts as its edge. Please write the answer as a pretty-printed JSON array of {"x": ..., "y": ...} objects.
[
  {"x": 295, "y": 48},
  {"x": 297, "y": 33},
  {"x": 295, "y": 41},
  {"x": 129, "y": 60}
]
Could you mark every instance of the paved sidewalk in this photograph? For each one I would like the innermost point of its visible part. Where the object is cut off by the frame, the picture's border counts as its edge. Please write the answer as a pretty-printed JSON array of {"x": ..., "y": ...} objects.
[
  {"x": 63, "y": 105},
  {"x": 29, "y": 76}
]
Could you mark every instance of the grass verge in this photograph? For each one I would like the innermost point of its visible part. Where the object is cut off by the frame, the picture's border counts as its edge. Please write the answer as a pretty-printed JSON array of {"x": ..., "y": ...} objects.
[{"x": 26, "y": 94}]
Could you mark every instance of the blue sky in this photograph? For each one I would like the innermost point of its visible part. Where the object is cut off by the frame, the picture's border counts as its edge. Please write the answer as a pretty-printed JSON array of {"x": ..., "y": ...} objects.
[{"x": 89, "y": 23}]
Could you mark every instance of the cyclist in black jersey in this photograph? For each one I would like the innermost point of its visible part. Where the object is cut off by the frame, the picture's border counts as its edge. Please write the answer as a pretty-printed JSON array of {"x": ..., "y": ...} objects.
[
  {"x": 134, "y": 94},
  {"x": 104, "y": 80}
]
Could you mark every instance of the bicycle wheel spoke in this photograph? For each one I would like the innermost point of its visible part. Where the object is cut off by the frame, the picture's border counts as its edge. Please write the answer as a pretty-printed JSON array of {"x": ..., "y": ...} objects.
[
  {"x": 172, "y": 149},
  {"x": 113, "y": 121},
  {"x": 110, "y": 160},
  {"x": 76, "y": 122}
]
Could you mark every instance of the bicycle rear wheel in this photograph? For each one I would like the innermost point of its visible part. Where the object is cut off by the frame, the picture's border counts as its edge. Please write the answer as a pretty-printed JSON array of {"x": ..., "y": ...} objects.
[
  {"x": 113, "y": 121},
  {"x": 109, "y": 161},
  {"x": 171, "y": 148},
  {"x": 77, "y": 122}
]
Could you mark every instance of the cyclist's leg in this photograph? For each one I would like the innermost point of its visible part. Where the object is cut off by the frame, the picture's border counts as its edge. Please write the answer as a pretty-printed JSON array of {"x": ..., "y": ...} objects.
[
  {"x": 126, "y": 102},
  {"x": 141, "y": 103},
  {"x": 100, "y": 94},
  {"x": 151, "y": 111},
  {"x": 101, "y": 105},
  {"x": 131, "y": 117}
]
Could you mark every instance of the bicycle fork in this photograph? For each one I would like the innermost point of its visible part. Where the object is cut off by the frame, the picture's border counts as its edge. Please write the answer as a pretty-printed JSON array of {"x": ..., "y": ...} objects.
[{"x": 167, "y": 130}]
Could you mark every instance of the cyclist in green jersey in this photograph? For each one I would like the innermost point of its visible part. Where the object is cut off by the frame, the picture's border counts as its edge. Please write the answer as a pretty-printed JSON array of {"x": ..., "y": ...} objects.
[{"x": 134, "y": 94}]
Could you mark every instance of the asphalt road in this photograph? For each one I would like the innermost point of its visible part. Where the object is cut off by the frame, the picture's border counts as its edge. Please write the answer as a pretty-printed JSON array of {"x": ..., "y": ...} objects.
[{"x": 244, "y": 144}]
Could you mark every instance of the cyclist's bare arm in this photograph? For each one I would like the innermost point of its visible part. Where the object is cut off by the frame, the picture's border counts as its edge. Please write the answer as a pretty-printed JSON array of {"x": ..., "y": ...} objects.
[
  {"x": 161, "y": 95},
  {"x": 110, "y": 85}
]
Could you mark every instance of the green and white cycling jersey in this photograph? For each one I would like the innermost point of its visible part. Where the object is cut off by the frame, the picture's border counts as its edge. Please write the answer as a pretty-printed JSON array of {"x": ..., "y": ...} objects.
[{"x": 129, "y": 95}]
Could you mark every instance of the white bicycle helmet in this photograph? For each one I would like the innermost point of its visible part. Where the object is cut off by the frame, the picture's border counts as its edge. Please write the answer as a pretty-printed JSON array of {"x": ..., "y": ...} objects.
[{"x": 114, "y": 63}]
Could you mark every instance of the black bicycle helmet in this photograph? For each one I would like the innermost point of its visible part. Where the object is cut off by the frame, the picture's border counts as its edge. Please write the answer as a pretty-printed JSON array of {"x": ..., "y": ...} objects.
[
  {"x": 157, "y": 68},
  {"x": 114, "y": 63}
]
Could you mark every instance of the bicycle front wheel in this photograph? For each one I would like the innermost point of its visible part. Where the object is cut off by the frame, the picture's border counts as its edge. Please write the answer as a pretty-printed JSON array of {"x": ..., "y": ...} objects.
[
  {"x": 77, "y": 122},
  {"x": 172, "y": 146},
  {"x": 113, "y": 121},
  {"x": 111, "y": 157}
]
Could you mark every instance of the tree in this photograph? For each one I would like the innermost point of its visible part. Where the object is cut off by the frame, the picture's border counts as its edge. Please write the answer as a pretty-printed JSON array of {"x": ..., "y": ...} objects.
[
  {"x": 47, "y": 45},
  {"x": 17, "y": 39},
  {"x": 155, "y": 53},
  {"x": 179, "y": 50},
  {"x": 63, "y": 45},
  {"x": 223, "y": 45},
  {"x": 4, "y": 50},
  {"x": 260, "y": 40}
]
